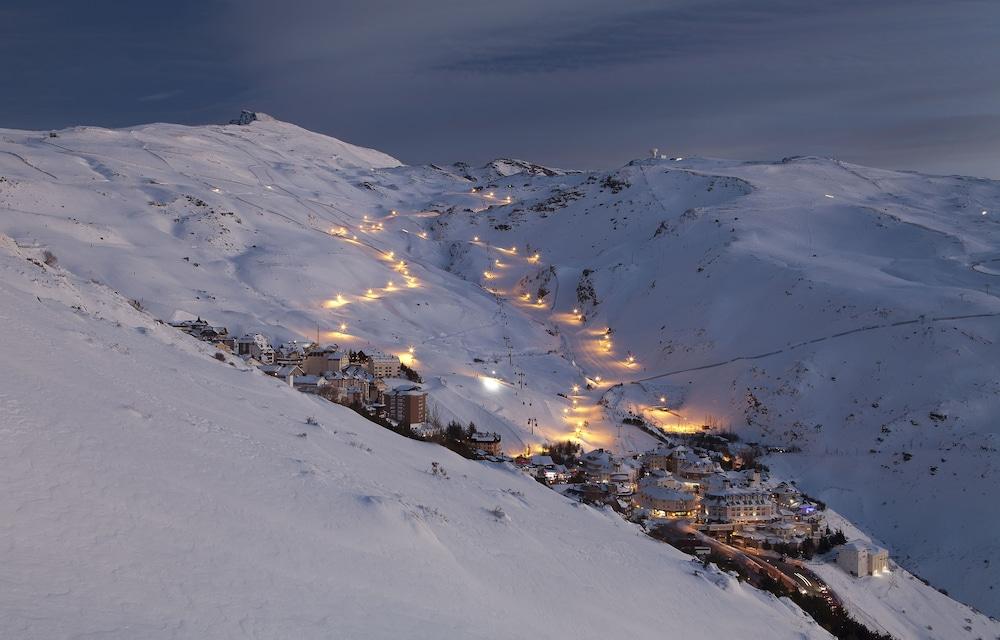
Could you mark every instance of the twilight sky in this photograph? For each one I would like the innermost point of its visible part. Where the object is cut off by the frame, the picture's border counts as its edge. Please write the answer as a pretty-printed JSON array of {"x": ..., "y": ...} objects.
[{"x": 908, "y": 84}]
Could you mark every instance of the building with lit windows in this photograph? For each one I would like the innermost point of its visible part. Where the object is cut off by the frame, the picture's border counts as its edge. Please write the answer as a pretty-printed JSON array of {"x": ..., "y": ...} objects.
[
  {"x": 860, "y": 559},
  {"x": 665, "y": 502},
  {"x": 738, "y": 506},
  {"x": 407, "y": 405},
  {"x": 383, "y": 365}
]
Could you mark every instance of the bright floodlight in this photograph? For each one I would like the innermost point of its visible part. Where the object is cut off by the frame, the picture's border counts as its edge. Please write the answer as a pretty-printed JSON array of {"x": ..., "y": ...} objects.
[{"x": 491, "y": 384}]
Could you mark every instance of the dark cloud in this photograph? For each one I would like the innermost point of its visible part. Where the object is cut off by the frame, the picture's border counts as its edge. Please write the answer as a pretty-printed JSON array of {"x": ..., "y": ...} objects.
[
  {"x": 582, "y": 83},
  {"x": 678, "y": 31}
]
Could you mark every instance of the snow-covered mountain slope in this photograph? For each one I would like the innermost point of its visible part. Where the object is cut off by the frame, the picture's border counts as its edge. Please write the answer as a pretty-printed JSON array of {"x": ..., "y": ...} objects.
[
  {"x": 843, "y": 310},
  {"x": 152, "y": 491},
  {"x": 846, "y": 311},
  {"x": 231, "y": 223},
  {"x": 899, "y": 604}
]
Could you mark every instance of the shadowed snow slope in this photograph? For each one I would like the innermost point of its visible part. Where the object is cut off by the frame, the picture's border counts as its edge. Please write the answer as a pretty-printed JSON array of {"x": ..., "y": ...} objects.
[{"x": 152, "y": 491}]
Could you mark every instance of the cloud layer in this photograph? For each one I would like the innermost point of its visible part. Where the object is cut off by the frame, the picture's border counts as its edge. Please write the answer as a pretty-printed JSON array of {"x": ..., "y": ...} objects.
[{"x": 574, "y": 83}]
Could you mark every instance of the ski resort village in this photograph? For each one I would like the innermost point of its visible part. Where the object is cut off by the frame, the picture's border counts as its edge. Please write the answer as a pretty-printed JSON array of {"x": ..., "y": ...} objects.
[{"x": 705, "y": 493}]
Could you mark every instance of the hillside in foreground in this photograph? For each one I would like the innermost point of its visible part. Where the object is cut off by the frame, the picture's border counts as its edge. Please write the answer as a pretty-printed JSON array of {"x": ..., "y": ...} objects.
[{"x": 155, "y": 492}]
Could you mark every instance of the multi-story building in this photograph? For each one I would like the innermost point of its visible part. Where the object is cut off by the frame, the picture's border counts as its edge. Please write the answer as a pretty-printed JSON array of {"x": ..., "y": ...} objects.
[
  {"x": 256, "y": 346},
  {"x": 320, "y": 361},
  {"x": 407, "y": 404},
  {"x": 658, "y": 459},
  {"x": 860, "y": 559},
  {"x": 738, "y": 506},
  {"x": 291, "y": 352},
  {"x": 354, "y": 376},
  {"x": 488, "y": 442},
  {"x": 666, "y": 502},
  {"x": 383, "y": 365}
]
